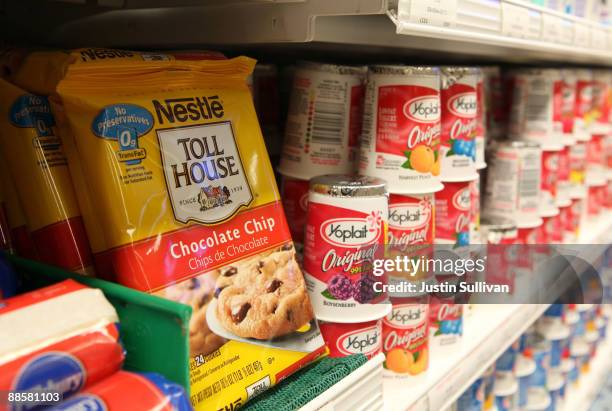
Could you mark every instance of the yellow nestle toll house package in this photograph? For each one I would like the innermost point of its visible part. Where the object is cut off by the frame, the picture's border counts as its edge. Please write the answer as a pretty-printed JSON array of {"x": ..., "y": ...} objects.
[
  {"x": 190, "y": 211},
  {"x": 37, "y": 165},
  {"x": 40, "y": 71}
]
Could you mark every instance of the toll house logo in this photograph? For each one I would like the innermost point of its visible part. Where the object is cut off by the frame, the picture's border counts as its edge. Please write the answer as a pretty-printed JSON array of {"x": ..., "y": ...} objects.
[{"x": 203, "y": 171}]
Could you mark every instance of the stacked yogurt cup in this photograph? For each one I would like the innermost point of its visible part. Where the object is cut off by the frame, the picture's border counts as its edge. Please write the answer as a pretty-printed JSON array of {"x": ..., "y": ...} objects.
[
  {"x": 321, "y": 133},
  {"x": 400, "y": 143}
]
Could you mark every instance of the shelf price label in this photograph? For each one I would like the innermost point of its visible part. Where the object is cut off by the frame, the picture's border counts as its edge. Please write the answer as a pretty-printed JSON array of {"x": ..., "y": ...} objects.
[
  {"x": 440, "y": 13},
  {"x": 534, "y": 24},
  {"x": 551, "y": 28},
  {"x": 598, "y": 38},
  {"x": 515, "y": 20},
  {"x": 581, "y": 35},
  {"x": 566, "y": 35}
]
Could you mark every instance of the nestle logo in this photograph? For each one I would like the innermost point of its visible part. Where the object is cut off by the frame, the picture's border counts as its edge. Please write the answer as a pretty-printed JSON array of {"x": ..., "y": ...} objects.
[
  {"x": 463, "y": 105},
  {"x": 188, "y": 108},
  {"x": 425, "y": 109},
  {"x": 101, "y": 54}
]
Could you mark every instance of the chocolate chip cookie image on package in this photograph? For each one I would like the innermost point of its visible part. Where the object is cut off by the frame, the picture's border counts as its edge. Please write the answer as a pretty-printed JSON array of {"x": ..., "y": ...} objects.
[
  {"x": 197, "y": 292},
  {"x": 264, "y": 297}
]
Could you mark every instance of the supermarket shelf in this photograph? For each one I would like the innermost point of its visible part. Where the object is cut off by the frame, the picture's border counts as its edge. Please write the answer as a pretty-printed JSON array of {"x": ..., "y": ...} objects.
[
  {"x": 581, "y": 397},
  {"x": 361, "y": 390},
  {"x": 489, "y": 330},
  {"x": 501, "y": 30}
]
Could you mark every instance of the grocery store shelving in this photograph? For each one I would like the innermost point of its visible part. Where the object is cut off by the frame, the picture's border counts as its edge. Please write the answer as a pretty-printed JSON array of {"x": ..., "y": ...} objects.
[
  {"x": 489, "y": 330},
  {"x": 504, "y": 30},
  {"x": 581, "y": 397}
]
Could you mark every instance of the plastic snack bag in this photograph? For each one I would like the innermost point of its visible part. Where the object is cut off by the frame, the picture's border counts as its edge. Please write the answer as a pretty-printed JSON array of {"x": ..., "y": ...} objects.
[
  {"x": 129, "y": 391},
  {"x": 37, "y": 165},
  {"x": 189, "y": 210},
  {"x": 60, "y": 338}
]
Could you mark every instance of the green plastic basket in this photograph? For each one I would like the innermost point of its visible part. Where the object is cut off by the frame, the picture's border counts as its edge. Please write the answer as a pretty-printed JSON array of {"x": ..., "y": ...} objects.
[{"x": 154, "y": 331}]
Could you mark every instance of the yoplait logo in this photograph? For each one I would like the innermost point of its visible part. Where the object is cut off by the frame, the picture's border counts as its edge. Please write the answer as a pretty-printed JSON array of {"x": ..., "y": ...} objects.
[
  {"x": 462, "y": 199},
  {"x": 352, "y": 232},
  {"x": 407, "y": 315},
  {"x": 463, "y": 104},
  {"x": 423, "y": 109},
  {"x": 410, "y": 215},
  {"x": 363, "y": 341}
]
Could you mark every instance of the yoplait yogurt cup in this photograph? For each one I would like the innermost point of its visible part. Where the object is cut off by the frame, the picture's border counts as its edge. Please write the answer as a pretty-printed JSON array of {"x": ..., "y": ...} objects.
[
  {"x": 411, "y": 231},
  {"x": 577, "y": 162},
  {"x": 406, "y": 337},
  {"x": 513, "y": 182},
  {"x": 346, "y": 231},
  {"x": 401, "y": 128},
  {"x": 537, "y": 106},
  {"x": 551, "y": 230},
  {"x": 345, "y": 339},
  {"x": 563, "y": 175},
  {"x": 549, "y": 179},
  {"x": 608, "y": 191},
  {"x": 475, "y": 189},
  {"x": 595, "y": 168},
  {"x": 324, "y": 120},
  {"x": 565, "y": 210},
  {"x": 294, "y": 195},
  {"x": 445, "y": 321},
  {"x": 453, "y": 214},
  {"x": 496, "y": 101},
  {"x": 481, "y": 121},
  {"x": 499, "y": 233},
  {"x": 583, "y": 104},
  {"x": 601, "y": 101},
  {"x": 572, "y": 230},
  {"x": 459, "y": 121},
  {"x": 568, "y": 103},
  {"x": 594, "y": 198}
]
